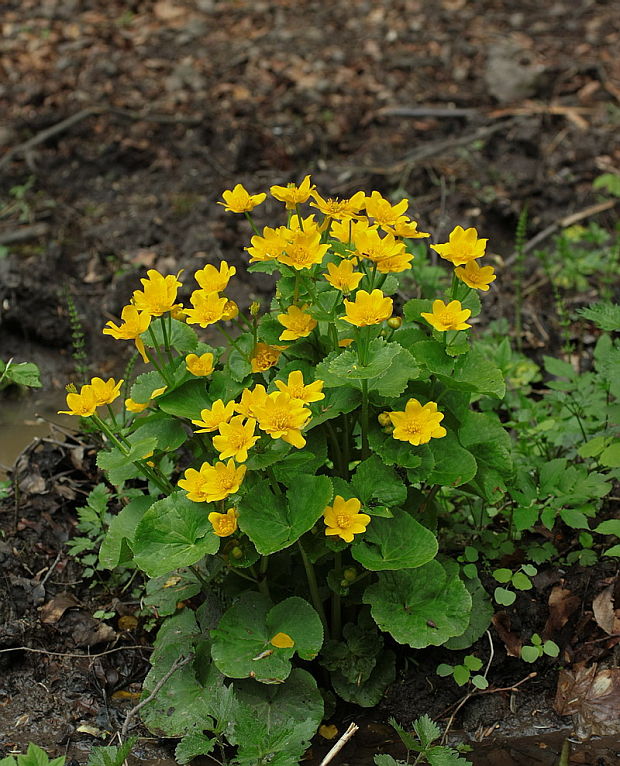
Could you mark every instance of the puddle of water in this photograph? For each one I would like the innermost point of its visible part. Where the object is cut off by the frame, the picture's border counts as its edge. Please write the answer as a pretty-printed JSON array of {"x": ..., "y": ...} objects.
[{"x": 25, "y": 417}]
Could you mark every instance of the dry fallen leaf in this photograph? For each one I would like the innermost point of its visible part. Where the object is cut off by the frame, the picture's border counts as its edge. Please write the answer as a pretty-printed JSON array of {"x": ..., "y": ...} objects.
[
  {"x": 54, "y": 609},
  {"x": 605, "y": 613},
  {"x": 592, "y": 698},
  {"x": 512, "y": 642},
  {"x": 562, "y": 603}
]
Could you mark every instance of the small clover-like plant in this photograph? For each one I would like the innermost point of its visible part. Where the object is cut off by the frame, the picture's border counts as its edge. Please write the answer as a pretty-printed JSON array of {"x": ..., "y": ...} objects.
[
  {"x": 538, "y": 647},
  {"x": 466, "y": 672},
  {"x": 34, "y": 756},
  {"x": 520, "y": 580}
]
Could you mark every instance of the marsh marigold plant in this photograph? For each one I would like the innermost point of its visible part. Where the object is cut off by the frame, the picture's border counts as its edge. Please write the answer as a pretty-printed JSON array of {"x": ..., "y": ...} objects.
[{"x": 284, "y": 466}]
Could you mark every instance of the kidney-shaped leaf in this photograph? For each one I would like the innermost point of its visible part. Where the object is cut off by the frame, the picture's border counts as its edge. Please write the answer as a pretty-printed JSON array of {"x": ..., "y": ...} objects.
[
  {"x": 174, "y": 532},
  {"x": 242, "y": 642},
  {"x": 397, "y": 543},
  {"x": 420, "y": 607}
]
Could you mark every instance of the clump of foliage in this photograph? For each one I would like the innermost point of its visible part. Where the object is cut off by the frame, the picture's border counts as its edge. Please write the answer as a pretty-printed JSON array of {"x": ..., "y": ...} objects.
[
  {"x": 34, "y": 756},
  {"x": 422, "y": 742},
  {"x": 299, "y": 479}
]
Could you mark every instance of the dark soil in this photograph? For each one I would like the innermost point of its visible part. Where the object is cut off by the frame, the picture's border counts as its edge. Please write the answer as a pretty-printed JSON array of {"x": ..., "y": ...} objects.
[{"x": 473, "y": 109}]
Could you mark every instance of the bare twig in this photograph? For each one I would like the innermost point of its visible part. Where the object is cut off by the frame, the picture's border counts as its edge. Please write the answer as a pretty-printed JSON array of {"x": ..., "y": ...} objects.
[
  {"x": 76, "y": 656},
  {"x": 340, "y": 744},
  {"x": 178, "y": 663},
  {"x": 23, "y": 233},
  {"x": 83, "y": 114},
  {"x": 562, "y": 223}
]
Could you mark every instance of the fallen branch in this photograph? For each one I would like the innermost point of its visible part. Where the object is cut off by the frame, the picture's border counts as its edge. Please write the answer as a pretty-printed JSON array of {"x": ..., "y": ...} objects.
[
  {"x": 340, "y": 744},
  {"x": 24, "y": 233},
  {"x": 178, "y": 663},
  {"x": 75, "y": 656},
  {"x": 83, "y": 114}
]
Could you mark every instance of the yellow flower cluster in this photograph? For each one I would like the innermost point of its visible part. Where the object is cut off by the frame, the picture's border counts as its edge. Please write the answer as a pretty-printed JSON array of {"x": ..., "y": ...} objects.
[{"x": 94, "y": 394}]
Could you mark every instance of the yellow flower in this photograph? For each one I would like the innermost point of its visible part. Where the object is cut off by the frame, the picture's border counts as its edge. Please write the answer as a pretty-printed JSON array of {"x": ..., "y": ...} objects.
[
  {"x": 345, "y": 342},
  {"x": 231, "y": 310},
  {"x": 264, "y": 357},
  {"x": 283, "y": 417},
  {"x": 250, "y": 399},
  {"x": 212, "y": 483},
  {"x": 303, "y": 249},
  {"x": 212, "y": 280},
  {"x": 406, "y": 228},
  {"x": 296, "y": 388},
  {"x": 368, "y": 308},
  {"x": 379, "y": 208},
  {"x": 208, "y": 308},
  {"x": 106, "y": 391},
  {"x": 235, "y": 438},
  {"x": 199, "y": 365},
  {"x": 224, "y": 524},
  {"x": 450, "y": 317},
  {"x": 159, "y": 293},
  {"x": 339, "y": 208},
  {"x": 346, "y": 231},
  {"x": 213, "y": 416},
  {"x": 417, "y": 424},
  {"x": 269, "y": 246},
  {"x": 133, "y": 324},
  {"x": 343, "y": 277},
  {"x": 478, "y": 277},
  {"x": 293, "y": 195},
  {"x": 298, "y": 324},
  {"x": 83, "y": 404},
  {"x": 371, "y": 245},
  {"x": 132, "y": 406},
  {"x": 239, "y": 200},
  {"x": 305, "y": 225},
  {"x": 395, "y": 264},
  {"x": 344, "y": 519},
  {"x": 282, "y": 641},
  {"x": 462, "y": 247}
]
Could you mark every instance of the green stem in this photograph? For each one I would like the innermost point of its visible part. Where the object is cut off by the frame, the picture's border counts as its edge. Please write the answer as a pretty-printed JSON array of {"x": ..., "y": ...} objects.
[
  {"x": 364, "y": 419},
  {"x": 232, "y": 342},
  {"x": 274, "y": 482},
  {"x": 296, "y": 291},
  {"x": 167, "y": 336},
  {"x": 198, "y": 575},
  {"x": 312, "y": 584},
  {"x": 252, "y": 224},
  {"x": 337, "y": 601},
  {"x": 337, "y": 456}
]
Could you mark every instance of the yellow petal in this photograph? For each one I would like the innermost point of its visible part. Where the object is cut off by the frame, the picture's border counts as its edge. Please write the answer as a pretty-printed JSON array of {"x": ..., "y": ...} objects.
[{"x": 282, "y": 641}]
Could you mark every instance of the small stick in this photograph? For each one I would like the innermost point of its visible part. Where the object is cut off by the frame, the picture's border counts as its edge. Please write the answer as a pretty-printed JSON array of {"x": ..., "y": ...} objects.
[
  {"x": 340, "y": 744},
  {"x": 75, "y": 656},
  {"x": 178, "y": 663}
]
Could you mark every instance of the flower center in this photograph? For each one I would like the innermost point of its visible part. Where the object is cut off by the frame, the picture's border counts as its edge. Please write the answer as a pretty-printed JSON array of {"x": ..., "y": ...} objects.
[{"x": 343, "y": 520}]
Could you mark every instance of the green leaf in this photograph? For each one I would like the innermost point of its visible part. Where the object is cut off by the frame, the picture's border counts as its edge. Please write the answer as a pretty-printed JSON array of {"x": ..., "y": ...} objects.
[
  {"x": 609, "y": 527},
  {"x": 551, "y": 649},
  {"x": 397, "y": 543},
  {"x": 443, "y": 670},
  {"x": 402, "y": 454},
  {"x": 186, "y": 401},
  {"x": 183, "y": 704},
  {"x": 279, "y": 720},
  {"x": 504, "y": 596},
  {"x": 593, "y": 447},
  {"x": 574, "y": 518},
  {"x": 167, "y": 431},
  {"x": 475, "y": 372},
  {"x": 472, "y": 662},
  {"x": 180, "y": 335},
  {"x": 461, "y": 675},
  {"x": 604, "y": 314},
  {"x": 347, "y": 368},
  {"x": 480, "y": 682},
  {"x": 427, "y": 730},
  {"x": 502, "y": 575},
  {"x": 454, "y": 465},
  {"x": 525, "y": 518},
  {"x": 192, "y": 745},
  {"x": 370, "y": 692},
  {"x": 242, "y": 640},
  {"x": 23, "y": 373},
  {"x": 121, "y": 530},
  {"x": 559, "y": 368},
  {"x": 480, "y": 617},
  {"x": 420, "y": 607},
  {"x": 274, "y": 522},
  {"x": 394, "y": 380},
  {"x": 613, "y": 551},
  {"x": 484, "y": 436},
  {"x": 521, "y": 581},
  {"x": 433, "y": 356},
  {"x": 610, "y": 457},
  {"x": 412, "y": 310},
  {"x": 164, "y": 593},
  {"x": 373, "y": 480},
  {"x": 174, "y": 532},
  {"x": 145, "y": 384},
  {"x": 120, "y": 467},
  {"x": 530, "y": 653}
]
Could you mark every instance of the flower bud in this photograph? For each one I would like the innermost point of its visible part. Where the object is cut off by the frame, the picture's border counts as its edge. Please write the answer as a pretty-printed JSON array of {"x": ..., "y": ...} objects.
[
  {"x": 344, "y": 583},
  {"x": 236, "y": 552},
  {"x": 350, "y": 574},
  {"x": 394, "y": 322},
  {"x": 254, "y": 309},
  {"x": 384, "y": 419}
]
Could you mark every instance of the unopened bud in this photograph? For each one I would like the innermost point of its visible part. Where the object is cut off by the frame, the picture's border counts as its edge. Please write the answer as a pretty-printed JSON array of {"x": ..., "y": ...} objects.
[
  {"x": 384, "y": 419},
  {"x": 344, "y": 583},
  {"x": 394, "y": 323},
  {"x": 350, "y": 574},
  {"x": 254, "y": 309},
  {"x": 70, "y": 388},
  {"x": 236, "y": 552}
]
